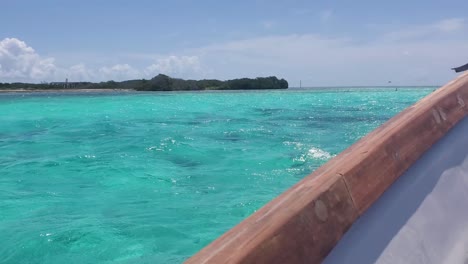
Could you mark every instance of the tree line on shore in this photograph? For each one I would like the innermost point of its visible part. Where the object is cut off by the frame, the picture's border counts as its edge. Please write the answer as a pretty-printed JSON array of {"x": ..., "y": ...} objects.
[{"x": 160, "y": 83}]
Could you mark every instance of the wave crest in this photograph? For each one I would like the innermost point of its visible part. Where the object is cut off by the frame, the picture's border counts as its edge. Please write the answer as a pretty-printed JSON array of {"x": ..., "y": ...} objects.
[{"x": 317, "y": 153}]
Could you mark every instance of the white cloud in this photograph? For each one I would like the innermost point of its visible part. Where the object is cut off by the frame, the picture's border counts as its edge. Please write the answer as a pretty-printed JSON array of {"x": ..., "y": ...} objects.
[
  {"x": 18, "y": 61},
  {"x": 21, "y": 63},
  {"x": 178, "y": 66},
  {"x": 82, "y": 72},
  {"x": 450, "y": 25},
  {"x": 319, "y": 60},
  {"x": 79, "y": 72},
  {"x": 438, "y": 29},
  {"x": 417, "y": 55},
  {"x": 119, "y": 72}
]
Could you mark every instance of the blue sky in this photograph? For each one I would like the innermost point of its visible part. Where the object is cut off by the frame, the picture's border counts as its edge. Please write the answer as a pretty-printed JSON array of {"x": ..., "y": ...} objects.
[{"x": 322, "y": 43}]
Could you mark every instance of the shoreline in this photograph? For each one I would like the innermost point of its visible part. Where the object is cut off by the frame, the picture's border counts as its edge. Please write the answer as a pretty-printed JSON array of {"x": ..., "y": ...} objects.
[
  {"x": 293, "y": 89},
  {"x": 64, "y": 90}
]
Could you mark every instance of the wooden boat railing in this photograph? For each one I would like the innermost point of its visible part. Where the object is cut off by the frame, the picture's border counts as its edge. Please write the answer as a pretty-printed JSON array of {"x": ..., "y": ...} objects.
[{"x": 303, "y": 224}]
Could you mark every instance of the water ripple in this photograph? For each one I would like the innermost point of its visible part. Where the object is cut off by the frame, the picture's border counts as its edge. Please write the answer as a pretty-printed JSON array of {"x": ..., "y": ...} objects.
[{"x": 153, "y": 177}]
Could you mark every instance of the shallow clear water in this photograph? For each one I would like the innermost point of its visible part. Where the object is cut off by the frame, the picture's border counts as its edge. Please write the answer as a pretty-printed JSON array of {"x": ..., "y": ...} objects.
[{"x": 154, "y": 177}]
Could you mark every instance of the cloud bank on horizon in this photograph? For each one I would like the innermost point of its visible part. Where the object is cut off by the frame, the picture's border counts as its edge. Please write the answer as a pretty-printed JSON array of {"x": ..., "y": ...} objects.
[{"x": 416, "y": 55}]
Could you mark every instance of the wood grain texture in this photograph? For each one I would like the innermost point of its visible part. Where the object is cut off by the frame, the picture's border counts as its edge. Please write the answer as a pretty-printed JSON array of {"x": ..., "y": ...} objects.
[
  {"x": 396, "y": 145},
  {"x": 308, "y": 219},
  {"x": 303, "y": 224}
]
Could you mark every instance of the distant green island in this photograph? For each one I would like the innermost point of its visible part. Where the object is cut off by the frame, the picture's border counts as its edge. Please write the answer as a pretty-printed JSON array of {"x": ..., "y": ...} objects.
[{"x": 159, "y": 83}]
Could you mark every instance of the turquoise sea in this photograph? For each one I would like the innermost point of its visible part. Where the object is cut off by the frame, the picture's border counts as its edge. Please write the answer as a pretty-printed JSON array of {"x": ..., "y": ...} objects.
[{"x": 154, "y": 177}]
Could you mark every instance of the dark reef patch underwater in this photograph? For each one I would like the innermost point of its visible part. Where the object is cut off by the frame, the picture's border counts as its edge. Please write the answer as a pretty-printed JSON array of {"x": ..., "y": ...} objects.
[{"x": 154, "y": 177}]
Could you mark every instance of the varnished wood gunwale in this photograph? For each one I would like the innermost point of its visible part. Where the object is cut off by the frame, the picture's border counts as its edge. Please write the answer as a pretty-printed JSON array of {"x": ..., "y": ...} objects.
[{"x": 303, "y": 224}]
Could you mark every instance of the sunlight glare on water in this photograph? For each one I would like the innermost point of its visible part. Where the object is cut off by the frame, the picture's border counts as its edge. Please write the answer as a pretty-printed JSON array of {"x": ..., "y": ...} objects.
[{"x": 154, "y": 177}]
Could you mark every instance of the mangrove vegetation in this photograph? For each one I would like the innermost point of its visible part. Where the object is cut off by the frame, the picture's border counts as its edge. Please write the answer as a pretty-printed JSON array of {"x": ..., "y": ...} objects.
[{"x": 159, "y": 83}]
